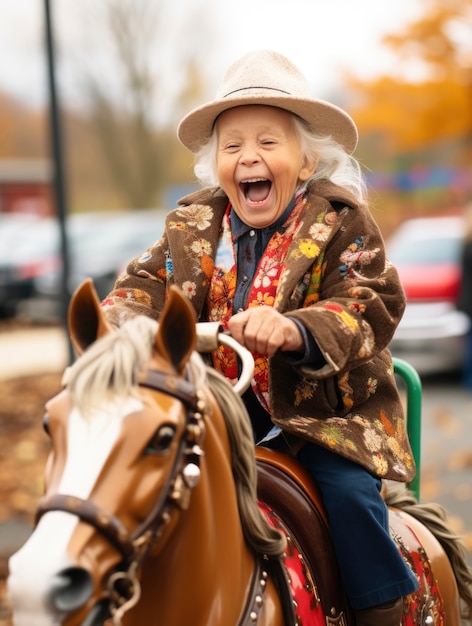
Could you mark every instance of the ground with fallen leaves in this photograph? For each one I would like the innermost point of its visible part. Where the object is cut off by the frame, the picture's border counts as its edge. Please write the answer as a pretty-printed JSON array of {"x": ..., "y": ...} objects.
[{"x": 23, "y": 454}]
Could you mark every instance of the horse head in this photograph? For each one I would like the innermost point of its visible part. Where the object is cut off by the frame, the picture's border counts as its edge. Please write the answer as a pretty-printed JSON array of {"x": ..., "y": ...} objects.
[
  {"x": 124, "y": 517},
  {"x": 140, "y": 417}
]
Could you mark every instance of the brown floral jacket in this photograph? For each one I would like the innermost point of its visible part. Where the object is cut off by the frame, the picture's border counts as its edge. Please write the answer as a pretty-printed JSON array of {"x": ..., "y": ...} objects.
[{"x": 339, "y": 284}]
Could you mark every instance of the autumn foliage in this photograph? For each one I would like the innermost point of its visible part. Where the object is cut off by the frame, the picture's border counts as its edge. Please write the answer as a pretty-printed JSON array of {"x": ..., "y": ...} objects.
[{"x": 416, "y": 119}]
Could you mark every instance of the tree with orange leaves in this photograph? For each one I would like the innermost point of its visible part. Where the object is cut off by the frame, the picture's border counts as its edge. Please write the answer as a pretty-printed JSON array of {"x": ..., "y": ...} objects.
[{"x": 427, "y": 104}]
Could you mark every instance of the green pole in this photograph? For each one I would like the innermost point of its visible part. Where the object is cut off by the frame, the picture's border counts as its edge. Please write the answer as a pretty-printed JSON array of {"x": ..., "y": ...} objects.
[{"x": 413, "y": 410}]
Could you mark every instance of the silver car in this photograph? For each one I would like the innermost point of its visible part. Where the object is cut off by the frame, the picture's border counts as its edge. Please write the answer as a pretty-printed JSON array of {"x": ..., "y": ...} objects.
[{"x": 431, "y": 334}]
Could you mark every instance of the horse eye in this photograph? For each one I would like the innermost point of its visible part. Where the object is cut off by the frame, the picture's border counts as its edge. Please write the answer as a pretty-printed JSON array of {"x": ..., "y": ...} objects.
[
  {"x": 46, "y": 424},
  {"x": 161, "y": 439}
]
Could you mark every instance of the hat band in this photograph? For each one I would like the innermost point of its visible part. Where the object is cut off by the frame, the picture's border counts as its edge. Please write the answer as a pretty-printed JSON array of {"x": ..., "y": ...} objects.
[{"x": 254, "y": 87}]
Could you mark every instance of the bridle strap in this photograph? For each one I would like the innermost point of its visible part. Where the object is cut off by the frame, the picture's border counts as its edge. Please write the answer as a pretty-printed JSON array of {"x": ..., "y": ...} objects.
[
  {"x": 107, "y": 524},
  {"x": 254, "y": 599},
  {"x": 171, "y": 385}
]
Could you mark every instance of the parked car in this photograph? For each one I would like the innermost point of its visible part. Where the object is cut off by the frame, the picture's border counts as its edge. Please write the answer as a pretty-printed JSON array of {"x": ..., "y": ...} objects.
[
  {"x": 100, "y": 244},
  {"x": 431, "y": 334},
  {"x": 27, "y": 245}
]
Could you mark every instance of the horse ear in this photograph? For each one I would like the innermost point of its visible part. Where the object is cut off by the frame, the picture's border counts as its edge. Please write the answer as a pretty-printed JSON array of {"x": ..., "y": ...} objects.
[
  {"x": 176, "y": 337},
  {"x": 86, "y": 319}
]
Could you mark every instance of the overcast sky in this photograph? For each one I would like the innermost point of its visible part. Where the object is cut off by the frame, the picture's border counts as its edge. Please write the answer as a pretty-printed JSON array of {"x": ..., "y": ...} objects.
[{"x": 322, "y": 38}]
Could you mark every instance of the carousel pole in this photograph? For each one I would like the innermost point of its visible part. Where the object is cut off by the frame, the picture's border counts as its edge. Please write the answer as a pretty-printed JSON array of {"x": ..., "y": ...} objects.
[{"x": 59, "y": 174}]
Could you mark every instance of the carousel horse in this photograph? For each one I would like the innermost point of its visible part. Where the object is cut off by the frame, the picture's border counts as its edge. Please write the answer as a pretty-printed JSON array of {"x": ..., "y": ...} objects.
[{"x": 158, "y": 511}]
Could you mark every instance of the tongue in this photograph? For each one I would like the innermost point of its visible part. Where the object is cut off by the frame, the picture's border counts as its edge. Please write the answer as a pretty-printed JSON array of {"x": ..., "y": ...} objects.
[{"x": 256, "y": 192}]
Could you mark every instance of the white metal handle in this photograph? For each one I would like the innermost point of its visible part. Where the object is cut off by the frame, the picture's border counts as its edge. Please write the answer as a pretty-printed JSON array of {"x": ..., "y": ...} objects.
[{"x": 210, "y": 335}]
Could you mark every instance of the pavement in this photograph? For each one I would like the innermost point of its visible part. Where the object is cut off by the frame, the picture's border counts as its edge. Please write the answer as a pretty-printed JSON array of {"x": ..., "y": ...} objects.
[{"x": 26, "y": 352}]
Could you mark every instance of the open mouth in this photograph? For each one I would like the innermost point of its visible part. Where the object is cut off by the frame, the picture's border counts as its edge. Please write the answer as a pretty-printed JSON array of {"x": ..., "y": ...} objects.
[{"x": 256, "y": 190}]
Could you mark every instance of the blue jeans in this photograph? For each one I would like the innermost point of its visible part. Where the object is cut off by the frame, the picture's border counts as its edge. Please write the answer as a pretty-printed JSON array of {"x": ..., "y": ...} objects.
[{"x": 372, "y": 569}]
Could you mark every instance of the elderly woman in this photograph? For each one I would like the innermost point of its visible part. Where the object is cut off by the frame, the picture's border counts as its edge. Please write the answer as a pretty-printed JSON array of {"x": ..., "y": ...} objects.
[{"x": 280, "y": 247}]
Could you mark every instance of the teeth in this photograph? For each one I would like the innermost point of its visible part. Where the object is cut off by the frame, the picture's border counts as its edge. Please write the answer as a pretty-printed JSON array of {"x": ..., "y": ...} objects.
[{"x": 253, "y": 180}]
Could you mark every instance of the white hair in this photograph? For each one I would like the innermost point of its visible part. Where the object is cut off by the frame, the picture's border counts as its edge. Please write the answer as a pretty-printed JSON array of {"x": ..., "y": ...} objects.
[{"x": 334, "y": 163}]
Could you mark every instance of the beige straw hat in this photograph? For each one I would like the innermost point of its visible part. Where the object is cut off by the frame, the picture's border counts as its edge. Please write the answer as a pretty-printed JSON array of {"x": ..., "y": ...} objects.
[{"x": 266, "y": 77}]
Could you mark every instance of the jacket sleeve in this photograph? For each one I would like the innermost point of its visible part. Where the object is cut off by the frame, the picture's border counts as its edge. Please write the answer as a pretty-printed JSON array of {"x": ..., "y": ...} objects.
[
  {"x": 141, "y": 289},
  {"x": 361, "y": 299}
]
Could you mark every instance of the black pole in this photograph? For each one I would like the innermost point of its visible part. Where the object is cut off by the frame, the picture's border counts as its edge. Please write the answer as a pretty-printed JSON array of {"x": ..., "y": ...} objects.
[{"x": 59, "y": 175}]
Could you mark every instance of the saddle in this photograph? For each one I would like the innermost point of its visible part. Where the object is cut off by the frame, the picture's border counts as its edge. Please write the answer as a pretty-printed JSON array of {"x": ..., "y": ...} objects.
[{"x": 292, "y": 503}]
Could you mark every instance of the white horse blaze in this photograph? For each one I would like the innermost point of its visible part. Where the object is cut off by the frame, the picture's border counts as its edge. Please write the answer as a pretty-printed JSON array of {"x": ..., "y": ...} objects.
[{"x": 90, "y": 440}]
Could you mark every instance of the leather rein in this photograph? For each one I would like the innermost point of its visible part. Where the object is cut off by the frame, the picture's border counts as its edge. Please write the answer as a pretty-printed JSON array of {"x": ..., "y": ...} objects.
[{"x": 123, "y": 584}]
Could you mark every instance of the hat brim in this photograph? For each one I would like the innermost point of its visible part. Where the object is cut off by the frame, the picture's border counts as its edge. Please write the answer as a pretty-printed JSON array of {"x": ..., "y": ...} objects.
[{"x": 323, "y": 117}]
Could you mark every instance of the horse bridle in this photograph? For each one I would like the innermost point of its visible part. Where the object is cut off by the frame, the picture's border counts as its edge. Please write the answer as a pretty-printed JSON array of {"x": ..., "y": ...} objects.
[{"x": 184, "y": 475}]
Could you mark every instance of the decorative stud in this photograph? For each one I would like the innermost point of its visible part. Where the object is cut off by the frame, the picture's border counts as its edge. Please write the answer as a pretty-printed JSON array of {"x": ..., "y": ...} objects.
[
  {"x": 253, "y": 616},
  {"x": 191, "y": 474},
  {"x": 201, "y": 404}
]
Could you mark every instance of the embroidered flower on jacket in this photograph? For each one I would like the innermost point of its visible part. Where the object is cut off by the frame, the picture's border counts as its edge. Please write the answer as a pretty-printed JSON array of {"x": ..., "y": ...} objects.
[
  {"x": 350, "y": 445},
  {"x": 198, "y": 215},
  {"x": 262, "y": 298},
  {"x": 130, "y": 295},
  {"x": 354, "y": 257},
  {"x": 372, "y": 385},
  {"x": 395, "y": 447},
  {"x": 309, "y": 248},
  {"x": 348, "y": 321},
  {"x": 320, "y": 232},
  {"x": 380, "y": 464},
  {"x": 356, "y": 307},
  {"x": 305, "y": 390},
  {"x": 189, "y": 288},
  {"x": 373, "y": 440},
  {"x": 161, "y": 275},
  {"x": 332, "y": 436},
  {"x": 267, "y": 273},
  {"x": 201, "y": 246},
  {"x": 177, "y": 225}
]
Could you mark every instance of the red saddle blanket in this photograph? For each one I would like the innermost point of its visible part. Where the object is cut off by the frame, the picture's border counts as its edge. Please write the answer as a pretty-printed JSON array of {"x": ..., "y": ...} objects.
[{"x": 291, "y": 503}]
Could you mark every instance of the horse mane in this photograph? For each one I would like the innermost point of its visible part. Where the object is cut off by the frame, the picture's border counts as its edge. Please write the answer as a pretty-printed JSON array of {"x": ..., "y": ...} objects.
[
  {"x": 434, "y": 517},
  {"x": 259, "y": 535},
  {"x": 111, "y": 366}
]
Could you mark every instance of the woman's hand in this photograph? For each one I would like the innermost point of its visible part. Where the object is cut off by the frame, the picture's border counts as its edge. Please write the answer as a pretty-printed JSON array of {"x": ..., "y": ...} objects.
[{"x": 263, "y": 329}]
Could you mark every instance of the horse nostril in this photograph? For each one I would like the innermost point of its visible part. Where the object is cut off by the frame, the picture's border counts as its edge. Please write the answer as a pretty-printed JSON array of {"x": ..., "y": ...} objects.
[{"x": 70, "y": 589}]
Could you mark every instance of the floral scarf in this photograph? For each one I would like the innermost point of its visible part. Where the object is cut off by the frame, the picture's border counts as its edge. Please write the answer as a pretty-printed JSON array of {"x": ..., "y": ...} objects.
[{"x": 263, "y": 292}]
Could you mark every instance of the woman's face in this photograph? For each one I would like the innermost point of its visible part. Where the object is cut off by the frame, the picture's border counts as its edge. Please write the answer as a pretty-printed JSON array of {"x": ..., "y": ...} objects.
[{"x": 259, "y": 162}]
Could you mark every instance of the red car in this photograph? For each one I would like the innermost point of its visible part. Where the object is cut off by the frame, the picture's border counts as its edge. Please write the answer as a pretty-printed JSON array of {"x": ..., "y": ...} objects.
[{"x": 426, "y": 252}]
